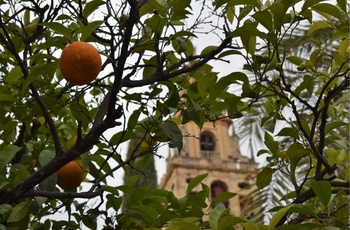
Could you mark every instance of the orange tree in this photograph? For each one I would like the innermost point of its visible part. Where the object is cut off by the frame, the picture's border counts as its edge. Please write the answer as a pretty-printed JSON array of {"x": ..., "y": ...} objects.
[{"x": 45, "y": 122}]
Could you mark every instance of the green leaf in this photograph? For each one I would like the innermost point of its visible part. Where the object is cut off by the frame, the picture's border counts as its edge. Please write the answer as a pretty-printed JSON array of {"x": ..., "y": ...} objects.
[
  {"x": 49, "y": 184},
  {"x": 131, "y": 180},
  {"x": 194, "y": 182},
  {"x": 215, "y": 215},
  {"x": 342, "y": 4},
  {"x": 113, "y": 202},
  {"x": 249, "y": 43},
  {"x": 36, "y": 72},
  {"x": 150, "y": 68},
  {"x": 58, "y": 28},
  {"x": 302, "y": 209},
  {"x": 230, "y": 14},
  {"x": 181, "y": 225},
  {"x": 14, "y": 75},
  {"x": 309, "y": 3},
  {"x": 225, "y": 82},
  {"x": 180, "y": 45},
  {"x": 262, "y": 151},
  {"x": 224, "y": 196},
  {"x": 5, "y": 211},
  {"x": 171, "y": 129},
  {"x": 330, "y": 228},
  {"x": 338, "y": 156},
  {"x": 141, "y": 161},
  {"x": 317, "y": 26},
  {"x": 328, "y": 9},
  {"x": 193, "y": 113},
  {"x": 229, "y": 52},
  {"x": 323, "y": 191},
  {"x": 264, "y": 177},
  {"x": 342, "y": 215},
  {"x": 247, "y": 30},
  {"x": 46, "y": 156},
  {"x": 179, "y": 10},
  {"x": 156, "y": 23},
  {"x": 173, "y": 97},
  {"x": 205, "y": 83},
  {"x": 18, "y": 212},
  {"x": 278, "y": 216},
  {"x": 89, "y": 29},
  {"x": 91, "y": 6},
  {"x": 208, "y": 49},
  {"x": 254, "y": 3},
  {"x": 304, "y": 125},
  {"x": 63, "y": 17},
  {"x": 133, "y": 119},
  {"x": 279, "y": 11},
  {"x": 264, "y": 18},
  {"x": 289, "y": 195},
  {"x": 295, "y": 60},
  {"x": 9, "y": 98},
  {"x": 227, "y": 221},
  {"x": 218, "y": 107},
  {"x": 270, "y": 143},
  {"x": 160, "y": 6},
  {"x": 288, "y": 132},
  {"x": 6, "y": 154},
  {"x": 250, "y": 226},
  {"x": 148, "y": 213},
  {"x": 183, "y": 33},
  {"x": 295, "y": 153},
  {"x": 139, "y": 194},
  {"x": 270, "y": 125},
  {"x": 196, "y": 200},
  {"x": 122, "y": 136},
  {"x": 293, "y": 208},
  {"x": 43, "y": 56},
  {"x": 333, "y": 125}
]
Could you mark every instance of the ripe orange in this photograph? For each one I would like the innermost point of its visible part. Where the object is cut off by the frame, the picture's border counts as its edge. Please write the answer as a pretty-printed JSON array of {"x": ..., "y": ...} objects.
[
  {"x": 70, "y": 176},
  {"x": 80, "y": 63}
]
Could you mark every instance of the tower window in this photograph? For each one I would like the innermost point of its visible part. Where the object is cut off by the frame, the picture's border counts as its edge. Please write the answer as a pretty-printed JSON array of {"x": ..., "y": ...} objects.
[
  {"x": 218, "y": 187},
  {"x": 207, "y": 141},
  {"x": 244, "y": 202}
]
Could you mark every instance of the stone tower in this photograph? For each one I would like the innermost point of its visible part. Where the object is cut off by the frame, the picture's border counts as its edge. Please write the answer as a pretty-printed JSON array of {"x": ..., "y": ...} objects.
[{"x": 213, "y": 150}]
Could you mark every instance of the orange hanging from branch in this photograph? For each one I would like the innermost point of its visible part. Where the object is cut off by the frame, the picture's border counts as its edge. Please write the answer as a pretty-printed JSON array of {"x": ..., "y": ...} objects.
[
  {"x": 80, "y": 63},
  {"x": 70, "y": 176}
]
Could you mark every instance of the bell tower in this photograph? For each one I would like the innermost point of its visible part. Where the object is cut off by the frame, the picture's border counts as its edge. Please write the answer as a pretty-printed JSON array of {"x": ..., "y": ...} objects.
[{"x": 214, "y": 150}]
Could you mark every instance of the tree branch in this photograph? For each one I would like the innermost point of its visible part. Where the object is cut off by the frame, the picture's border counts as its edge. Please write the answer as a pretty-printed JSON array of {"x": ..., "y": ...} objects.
[
  {"x": 46, "y": 114},
  {"x": 166, "y": 74},
  {"x": 84, "y": 145},
  {"x": 129, "y": 25}
]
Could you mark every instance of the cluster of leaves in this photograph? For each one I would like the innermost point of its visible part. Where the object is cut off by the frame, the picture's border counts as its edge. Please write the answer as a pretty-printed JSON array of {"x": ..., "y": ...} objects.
[
  {"x": 45, "y": 122},
  {"x": 154, "y": 209},
  {"x": 304, "y": 92}
]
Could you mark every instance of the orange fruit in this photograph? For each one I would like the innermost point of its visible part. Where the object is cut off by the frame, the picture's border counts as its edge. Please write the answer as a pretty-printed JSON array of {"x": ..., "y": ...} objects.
[
  {"x": 144, "y": 144},
  {"x": 70, "y": 176},
  {"x": 80, "y": 63}
]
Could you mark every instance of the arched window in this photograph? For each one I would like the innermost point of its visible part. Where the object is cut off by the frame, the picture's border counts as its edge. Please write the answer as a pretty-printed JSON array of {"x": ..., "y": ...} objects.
[
  {"x": 216, "y": 188},
  {"x": 207, "y": 141}
]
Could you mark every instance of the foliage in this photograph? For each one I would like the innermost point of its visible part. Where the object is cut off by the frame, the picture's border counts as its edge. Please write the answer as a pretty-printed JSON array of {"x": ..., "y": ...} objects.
[
  {"x": 46, "y": 123},
  {"x": 143, "y": 166},
  {"x": 141, "y": 173}
]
